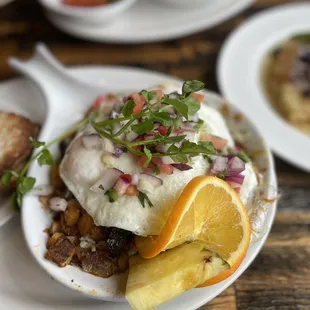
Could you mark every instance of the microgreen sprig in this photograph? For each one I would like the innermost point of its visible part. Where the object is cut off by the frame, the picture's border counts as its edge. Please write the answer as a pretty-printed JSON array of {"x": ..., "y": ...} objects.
[{"x": 25, "y": 184}]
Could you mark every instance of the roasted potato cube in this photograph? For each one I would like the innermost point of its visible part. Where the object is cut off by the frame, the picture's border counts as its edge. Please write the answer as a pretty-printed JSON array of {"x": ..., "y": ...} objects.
[
  {"x": 75, "y": 240},
  {"x": 72, "y": 213},
  {"x": 62, "y": 252},
  {"x": 55, "y": 227},
  {"x": 68, "y": 230},
  {"x": 56, "y": 180},
  {"x": 53, "y": 239},
  {"x": 85, "y": 225},
  {"x": 99, "y": 264}
]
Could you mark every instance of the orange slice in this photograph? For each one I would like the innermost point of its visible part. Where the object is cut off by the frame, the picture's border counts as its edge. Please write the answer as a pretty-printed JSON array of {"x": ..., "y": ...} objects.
[{"x": 208, "y": 211}]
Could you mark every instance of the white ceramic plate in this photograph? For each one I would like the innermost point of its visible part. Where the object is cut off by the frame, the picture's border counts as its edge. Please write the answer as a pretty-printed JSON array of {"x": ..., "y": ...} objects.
[
  {"x": 5, "y": 2},
  {"x": 21, "y": 103},
  {"x": 239, "y": 76},
  {"x": 150, "y": 21},
  {"x": 25, "y": 285}
]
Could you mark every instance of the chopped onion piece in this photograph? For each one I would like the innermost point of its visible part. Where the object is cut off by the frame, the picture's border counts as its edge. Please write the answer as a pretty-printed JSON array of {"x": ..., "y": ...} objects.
[
  {"x": 87, "y": 242},
  {"x": 162, "y": 148},
  {"x": 219, "y": 164},
  {"x": 167, "y": 160},
  {"x": 131, "y": 136},
  {"x": 41, "y": 190},
  {"x": 148, "y": 182},
  {"x": 135, "y": 179},
  {"x": 92, "y": 142},
  {"x": 108, "y": 159},
  {"x": 107, "y": 181},
  {"x": 114, "y": 114},
  {"x": 58, "y": 204},
  {"x": 121, "y": 185},
  {"x": 235, "y": 166},
  {"x": 238, "y": 179},
  {"x": 182, "y": 167},
  {"x": 190, "y": 135},
  {"x": 118, "y": 152},
  {"x": 107, "y": 145}
]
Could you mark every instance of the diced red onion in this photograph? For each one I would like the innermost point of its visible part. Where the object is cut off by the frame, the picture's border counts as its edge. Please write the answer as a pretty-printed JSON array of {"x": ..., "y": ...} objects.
[
  {"x": 195, "y": 118},
  {"x": 190, "y": 135},
  {"x": 219, "y": 164},
  {"x": 117, "y": 106},
  {"x": 156, "y": 126},
  {"x": 114, "y": 114},
  {"x": 135, "y": 178},
  {"x": 182, "y": 167},
  {"x": 116, "y": 128},
  {"x": 92, "y": 142},
  {"x": 117, "y": 152},
  {"x": 107, "y": 181},
  {"x": 188, "y": 126},
  {"x": 121, "y": 185},
  {"x": 108, "y": 145},
  {"x": 148, "y": 182},
  {"x": 162, "y": 148},
  {"x": 148, "y": 137},
  {"x": 41, "y": 190},
  {"x": 235, "y": 166},
  {"x": 238, "y": 179},
  {"x": 58, "y": 204},
  {"x": 170, "y": 110},
  {"x": 131, "y": 136},
  {"x": 167, "y": 160}
]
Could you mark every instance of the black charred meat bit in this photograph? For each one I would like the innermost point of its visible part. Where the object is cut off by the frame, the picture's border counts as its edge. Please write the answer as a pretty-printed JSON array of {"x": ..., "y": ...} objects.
[{"x": 118, "y": 240}]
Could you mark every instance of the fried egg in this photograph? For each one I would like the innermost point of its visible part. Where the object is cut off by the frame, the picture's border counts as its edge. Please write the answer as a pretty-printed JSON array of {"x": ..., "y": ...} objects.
[{"x": 81, "y": 168}]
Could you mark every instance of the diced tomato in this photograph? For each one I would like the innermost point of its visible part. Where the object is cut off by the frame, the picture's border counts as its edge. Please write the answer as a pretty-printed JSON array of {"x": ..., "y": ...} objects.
[
  {"x": 98, "y": 102},
  {"x": 177, "y": 130},
  {"x": 159, "y": 93},
  {"x": 165, "y": 169},
  {"x": 141, "y": 161},
  {"x": 218, "y": 143},
  {"x": 157, "y": 161},
  {"x": 163, "y": 130},
  {"x": 131, "y": 190},
  {"x": 126, "y": 177},
  {"x": 85, "y": 2},
  {"x": 140, "y": 101},
  {"x": 198, "y": 97}
]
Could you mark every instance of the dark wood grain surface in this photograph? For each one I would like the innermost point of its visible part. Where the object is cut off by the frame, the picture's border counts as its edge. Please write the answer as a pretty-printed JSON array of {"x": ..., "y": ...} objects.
[{"x": 279, "y": 278}]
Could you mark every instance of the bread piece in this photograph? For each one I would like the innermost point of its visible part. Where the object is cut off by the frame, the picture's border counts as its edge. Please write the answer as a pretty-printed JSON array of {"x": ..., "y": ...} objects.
[{"x": 15, "y": 146}]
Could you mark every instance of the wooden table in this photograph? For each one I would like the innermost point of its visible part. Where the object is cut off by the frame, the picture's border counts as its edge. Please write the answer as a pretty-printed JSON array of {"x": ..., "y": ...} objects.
[{"x": 279, "y": 278}]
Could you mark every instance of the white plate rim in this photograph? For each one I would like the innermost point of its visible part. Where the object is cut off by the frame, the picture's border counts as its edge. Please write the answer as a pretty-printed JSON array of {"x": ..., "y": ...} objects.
[
  {"x": 217, "y": 289},
  {"x": 280, "y": 128},
  {"x": 82, "y": 32}
]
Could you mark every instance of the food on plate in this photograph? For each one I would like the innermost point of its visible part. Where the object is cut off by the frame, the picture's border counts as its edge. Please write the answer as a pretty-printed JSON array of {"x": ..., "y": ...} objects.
[
  {"x": 87, "y": 3},
  {"x": 153, "y": 183},
  {"x": 15, "y": 146},
  {"x": 287, "y": 80}
]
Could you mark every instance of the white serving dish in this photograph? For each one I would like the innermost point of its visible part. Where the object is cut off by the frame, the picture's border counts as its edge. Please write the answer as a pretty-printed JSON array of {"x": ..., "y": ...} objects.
[{"x": 35, "y": 218}]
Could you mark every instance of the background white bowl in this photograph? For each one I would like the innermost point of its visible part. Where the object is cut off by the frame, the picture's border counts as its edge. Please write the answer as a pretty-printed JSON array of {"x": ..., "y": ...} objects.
[
  {"x": 91, "y": 15},
  {"x": 185, "y": 4}
]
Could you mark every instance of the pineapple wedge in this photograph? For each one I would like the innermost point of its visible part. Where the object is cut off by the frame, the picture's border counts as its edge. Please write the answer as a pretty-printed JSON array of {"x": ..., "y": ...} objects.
[{"x": 154, "y": 281}]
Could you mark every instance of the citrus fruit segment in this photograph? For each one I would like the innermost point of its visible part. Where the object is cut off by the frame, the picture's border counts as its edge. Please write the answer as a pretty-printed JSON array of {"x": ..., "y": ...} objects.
[
  {"x": 152, "y": 282},
  {"x": 209, "y": 211}
]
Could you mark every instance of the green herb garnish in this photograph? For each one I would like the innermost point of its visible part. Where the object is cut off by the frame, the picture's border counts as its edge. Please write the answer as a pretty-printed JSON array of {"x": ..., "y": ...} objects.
[
  {"x": 243, "y": 156},
  {"x": 25, "y": 184},
  {"x": 143, "y": 198},
  {"x": 112, "y": 194}
]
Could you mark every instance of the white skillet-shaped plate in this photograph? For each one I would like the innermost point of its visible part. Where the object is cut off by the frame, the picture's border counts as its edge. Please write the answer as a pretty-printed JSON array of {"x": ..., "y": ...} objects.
[
  {"x": 239, "y": 76},
  {"x": 109, "y": 289},
  {"x": 152, "y": 20}
]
